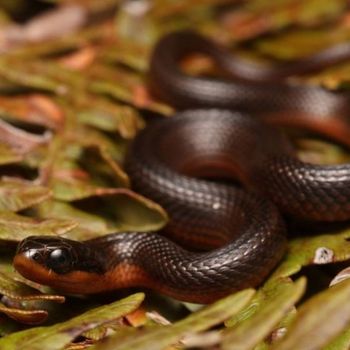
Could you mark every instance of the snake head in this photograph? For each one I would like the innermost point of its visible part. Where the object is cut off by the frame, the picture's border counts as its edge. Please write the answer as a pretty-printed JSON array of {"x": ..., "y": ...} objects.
[
  {"x": 58, "y": 262},
  {"x": 52, "y": 253}
]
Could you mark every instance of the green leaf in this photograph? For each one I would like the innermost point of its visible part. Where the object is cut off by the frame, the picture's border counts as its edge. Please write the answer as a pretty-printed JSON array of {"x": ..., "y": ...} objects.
[
  {"x": 111, "y": 117},
  {"x": 31, "y": 110},
  {"x": 114, "y": 210},
  {"x": 301, "y": 43},
  {"x": 30, "y": 76},
  {"x": 19, "y": 291},
  {"x": 89, "y": 137},
  {"x": 89, "y": 223},
  {"x": 57, "y": 336},
  {"x": 133, "y": 55},
  {"x": 319, "y": 320},
  {"x": 341, "y": 342},
  {"x": 14, "y": 227},
  {"x": 320, "y": 249},
  {"x": 248, "y": 333},
  {"x": 73, "y": 182},
  {"x": 160, "y": 337},
  {"x": 257, "y": 17},
  {"x": 120, "y": 93},
  {"x": 31, "y": 317},
  {"x": 16, "y": 194}
]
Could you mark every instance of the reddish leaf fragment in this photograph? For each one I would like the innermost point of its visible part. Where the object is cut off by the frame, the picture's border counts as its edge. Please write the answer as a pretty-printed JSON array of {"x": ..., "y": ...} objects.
[
  {"x": 33, "y": 108},
  {"x": 142, "y": 98},
  {"x": 259, "y": 17},
  {"x": 246, "y": 25},
  {"x": 45, "y": 110},
  {"x": 79, "y": 60},
  {"x": 137, "y": 318}
]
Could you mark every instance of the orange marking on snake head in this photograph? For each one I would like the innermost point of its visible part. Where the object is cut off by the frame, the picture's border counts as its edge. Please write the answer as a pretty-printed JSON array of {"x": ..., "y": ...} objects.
[
  {"x": 75, "y": 282},
  {"x": 60, "y": 263}
]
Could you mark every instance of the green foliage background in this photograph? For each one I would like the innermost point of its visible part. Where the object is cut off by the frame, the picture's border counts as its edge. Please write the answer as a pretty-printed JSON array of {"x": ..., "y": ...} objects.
[{"x": 70, "y": 105}]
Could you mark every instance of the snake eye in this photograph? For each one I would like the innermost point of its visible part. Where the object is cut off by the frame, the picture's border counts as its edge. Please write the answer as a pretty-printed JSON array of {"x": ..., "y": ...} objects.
[{"x": 59, "y": 260}]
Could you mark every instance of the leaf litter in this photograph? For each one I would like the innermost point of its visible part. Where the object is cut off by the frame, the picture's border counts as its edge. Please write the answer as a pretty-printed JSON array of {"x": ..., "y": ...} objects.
[{"x": 87, "y": 91}]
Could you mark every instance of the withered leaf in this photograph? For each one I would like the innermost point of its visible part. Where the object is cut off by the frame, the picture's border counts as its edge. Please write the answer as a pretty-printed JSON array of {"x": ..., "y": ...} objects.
[
  {"x": 14, "y": 227},
  {"x": 57, "y": 336},
  {"x": 18, "y": 194}
]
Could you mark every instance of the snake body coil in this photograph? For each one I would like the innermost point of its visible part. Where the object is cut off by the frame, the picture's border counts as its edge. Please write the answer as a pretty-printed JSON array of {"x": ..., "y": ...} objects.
[
  {"x": 252, "y": 87},
  {"x": 235, "y": 237}
]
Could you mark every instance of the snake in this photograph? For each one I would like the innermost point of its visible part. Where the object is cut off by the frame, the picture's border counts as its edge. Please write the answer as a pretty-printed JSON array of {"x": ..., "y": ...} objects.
[{"x": 221, "y": 237}]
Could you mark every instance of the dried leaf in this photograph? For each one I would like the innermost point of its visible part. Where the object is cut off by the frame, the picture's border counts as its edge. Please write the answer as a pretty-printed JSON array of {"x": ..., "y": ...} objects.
[
  {"x": 128, "y": 53},
  {"x": 319, "y": 320},
  {"x": 90, "y": 224},
  {"x": 19, "y": 140},
  {"x": 19, "y": 291},
  {"x": 30, "y": 76},
  {"x": 15, "y": 227},
  {"x": 96, "y": 88},
  {"x": 120, "y": 209},
  {"x": 341, "y": 276},
  {"x": 33, "y": 108},
  {"x": 320, "y": 249},
  {"x": 112, "y": 118},
  {"x": 57, "y": 336},
  {"x": 18, "y": 194},
  {"x": 121, "y": 93},
  {"x": 51, "y": 24},
  {"x": 245, "y": 335},
  {"x": 80, "y": 59},
  {"x": 160, "y": 337},
  {"x": 22, "y": 302},
  {"x": 301, "y": 43},
  {"x": 31, "y": 317},
  {"x": 258, "y": 17},
  {"x": 73, "y": 179},
  {"x": 8, "y": 155}
]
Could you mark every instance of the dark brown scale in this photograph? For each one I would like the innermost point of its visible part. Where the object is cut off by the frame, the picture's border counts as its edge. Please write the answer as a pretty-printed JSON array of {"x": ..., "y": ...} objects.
[
  {"x": 236, "y": 238},
  {"x": 255, "y": 88},
  {"x": 310, "y": 192},
  {"x": 204, "y": 214},
  {"x": 236, "y": 145},
  {"x": 244, "y": 231}
]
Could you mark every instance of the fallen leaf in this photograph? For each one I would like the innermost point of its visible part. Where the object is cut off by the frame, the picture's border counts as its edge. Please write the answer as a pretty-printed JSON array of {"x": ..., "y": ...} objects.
[
  {"x": 17, "y": 194},
  {"x": 309, "y": 329},
  {"x": 61, "y": 334},
  {"x": 249, "y": 332},
  {"x": 159, "y": 337}
]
